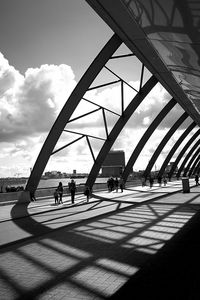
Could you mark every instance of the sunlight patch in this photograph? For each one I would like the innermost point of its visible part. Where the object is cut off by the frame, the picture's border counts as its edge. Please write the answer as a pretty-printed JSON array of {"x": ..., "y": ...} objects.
[
  {"x": 97, "y": 279},
  {"x": 66, "y": 249},
  {"x": 117, "y": 266}
]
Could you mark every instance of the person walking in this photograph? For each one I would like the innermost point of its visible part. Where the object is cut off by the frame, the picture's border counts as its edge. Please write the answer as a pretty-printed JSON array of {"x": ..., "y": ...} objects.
[
  {"x": 197, "y": 179},
  {"x": 165, "y": 181},
  {"x": 121, "y": 184},
  {"x": 56, "y": 196},
  {"x": 87, "y": 193},
  {"x": 32, "y": 196},
  {"x": 151, "y": 181},
  {"x": 116, "y": 184},
  {"x": 108, "y": 184},
  {"x": 72, "y": 189},
  {"x": 160, "y": 180},
  {"x": 112, "y": 184},
  {"x": 143, "y": 181},
  {"x": 60, "y": 192}
]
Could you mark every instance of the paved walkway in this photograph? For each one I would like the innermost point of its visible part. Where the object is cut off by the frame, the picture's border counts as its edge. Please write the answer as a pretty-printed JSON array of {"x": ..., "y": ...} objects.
[{"x": 117, "y": 246}]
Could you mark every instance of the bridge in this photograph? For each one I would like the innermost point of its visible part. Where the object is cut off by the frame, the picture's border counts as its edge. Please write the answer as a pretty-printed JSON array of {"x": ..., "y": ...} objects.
[
  {"x": 164, "y": 38},
  {"x": 140, "y": 244}
]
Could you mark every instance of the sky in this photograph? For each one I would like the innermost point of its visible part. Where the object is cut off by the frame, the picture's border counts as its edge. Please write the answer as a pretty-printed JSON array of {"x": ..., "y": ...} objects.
[{"x": 46, "y": 46}]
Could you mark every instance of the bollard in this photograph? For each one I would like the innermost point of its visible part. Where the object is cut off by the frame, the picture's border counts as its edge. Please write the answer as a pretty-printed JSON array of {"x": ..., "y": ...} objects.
[{"x": 185, "y": 185}]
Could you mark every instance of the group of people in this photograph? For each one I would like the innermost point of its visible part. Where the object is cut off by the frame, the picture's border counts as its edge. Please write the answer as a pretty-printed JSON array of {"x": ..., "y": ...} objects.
[
  {"x": 197, "y": 179},
  {"x": 58, "y": 193},
  {"x": 114, "y": 184},
  {"x": 160, "y": 180}
]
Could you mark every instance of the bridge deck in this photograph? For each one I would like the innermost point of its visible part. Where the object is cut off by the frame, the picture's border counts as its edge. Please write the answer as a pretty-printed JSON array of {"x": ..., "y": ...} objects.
[{"x": 138, "y": 244}]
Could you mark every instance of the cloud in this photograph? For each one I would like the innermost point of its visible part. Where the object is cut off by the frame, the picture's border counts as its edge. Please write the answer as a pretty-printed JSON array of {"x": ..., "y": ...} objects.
[
  {"x": 29, "y": 104},
  {"x": 110, "y": 98}
]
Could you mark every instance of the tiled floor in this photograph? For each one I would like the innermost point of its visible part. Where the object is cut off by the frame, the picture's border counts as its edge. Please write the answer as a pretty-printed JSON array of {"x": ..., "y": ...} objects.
[{"x": 90, "y": 251}]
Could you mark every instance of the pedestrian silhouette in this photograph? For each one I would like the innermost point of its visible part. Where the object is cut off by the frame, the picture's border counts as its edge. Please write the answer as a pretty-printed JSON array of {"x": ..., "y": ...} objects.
[
  {"x": 72, "y": 189},
  {"x": 60, "y": 192}
]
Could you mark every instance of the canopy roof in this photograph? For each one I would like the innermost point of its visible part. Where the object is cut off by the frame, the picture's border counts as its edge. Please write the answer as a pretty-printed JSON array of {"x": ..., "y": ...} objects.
[{"x": 165, "y": 36}]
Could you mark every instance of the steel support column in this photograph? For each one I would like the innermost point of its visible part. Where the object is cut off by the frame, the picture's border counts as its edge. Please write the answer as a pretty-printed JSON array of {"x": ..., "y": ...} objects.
[
  {"x": 187, "y": 157},
  {"x": 146, "y": 137},
  {"x": 187, "y": 168},
  {"x": 193, "y": 167},
  {"x": 196, "y": 170},
  {"x": 181, "y": 154},
  {"x": 175, "y": 147},
  {"x": 164, "y": 142},
  {"x": 69, "y": 107},
  {"x": 191, "y": 162},
  {"x": 118, "y": 127}
]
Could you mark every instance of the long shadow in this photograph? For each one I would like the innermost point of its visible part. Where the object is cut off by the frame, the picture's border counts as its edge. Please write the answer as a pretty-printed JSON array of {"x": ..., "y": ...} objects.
[
  {"x": 28, "y": 224},
  {"x": 173, "y": 273},
  {"x": 156, "y": 195},
  {"x": 113, "y": 245}
]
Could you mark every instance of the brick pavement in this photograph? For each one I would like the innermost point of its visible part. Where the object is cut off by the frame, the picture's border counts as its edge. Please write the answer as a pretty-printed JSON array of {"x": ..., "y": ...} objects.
[{"x": 91, "y": 251}]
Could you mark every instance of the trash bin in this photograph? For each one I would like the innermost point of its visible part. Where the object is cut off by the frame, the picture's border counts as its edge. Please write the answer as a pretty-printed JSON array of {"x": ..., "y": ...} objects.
[{"x": 185, "y": 184}]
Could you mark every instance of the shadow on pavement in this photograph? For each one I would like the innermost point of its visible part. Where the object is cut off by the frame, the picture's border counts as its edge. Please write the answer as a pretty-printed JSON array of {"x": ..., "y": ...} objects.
[
  {"x": 145, "y": 251},
  {"x": 173, "y": 273}
]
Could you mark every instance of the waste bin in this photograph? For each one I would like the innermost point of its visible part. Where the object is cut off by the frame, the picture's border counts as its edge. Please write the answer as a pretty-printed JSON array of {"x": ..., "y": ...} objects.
[{"x": 185, "y": 184}]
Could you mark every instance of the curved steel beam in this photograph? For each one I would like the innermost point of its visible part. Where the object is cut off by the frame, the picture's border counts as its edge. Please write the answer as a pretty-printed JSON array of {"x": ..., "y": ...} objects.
[
  {"x": 187, "y": 157},
  {"x": 146, "y": 136},
  {"x": 175, "y": 147},
  {"x": 193, "y": 167},
  {"x": 187, "y": 168},
  {"x": 69, "y": 107},
  {"x": 118, "y": 127},
  {"x": 164, "y": 142},
  {"x": 181, "y": 154},
  {"x": 196, "y": 170}
]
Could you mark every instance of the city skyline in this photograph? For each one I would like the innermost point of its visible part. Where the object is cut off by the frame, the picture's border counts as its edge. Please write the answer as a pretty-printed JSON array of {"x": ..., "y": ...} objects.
[{"x": 46, "y": 46}]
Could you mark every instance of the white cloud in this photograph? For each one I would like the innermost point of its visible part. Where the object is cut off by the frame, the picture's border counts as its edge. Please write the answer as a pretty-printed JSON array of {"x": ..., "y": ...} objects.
[{"x": 30, "y": 103}]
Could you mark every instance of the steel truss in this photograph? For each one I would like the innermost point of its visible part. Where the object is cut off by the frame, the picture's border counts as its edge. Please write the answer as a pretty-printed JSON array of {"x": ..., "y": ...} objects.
[
  {"x": 78, "y": 94},
  {"x": 188, "y": 156},
  {"x": 197, "y": 167},
  {"x": 193, "y": 166},
  {"x": 175, "y": 147},
  {"x": 164, "y": 141},
  {"x": 182, "y": 152},
  {"x": 67, "y": 110},
  {"x": 191, "y": 160},
  {"x": 146, "y": 137}
]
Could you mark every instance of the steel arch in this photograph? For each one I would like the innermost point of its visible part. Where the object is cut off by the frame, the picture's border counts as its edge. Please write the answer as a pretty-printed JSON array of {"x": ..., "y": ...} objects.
[
  {"x": 187, "y": 168},
  {"x": 193, "y": 167},
  {"x": 187, "y": 157},
  {"x": 118, "y": 127},
  {"x": 146, "y": 136},
  {"x": 164, "y": 142},
  {"x": 196, "y": 170},
  {"x": 69, "y": 107},
  {"x": 175, "y": 147},
  {"x": 181, "y": 154}
]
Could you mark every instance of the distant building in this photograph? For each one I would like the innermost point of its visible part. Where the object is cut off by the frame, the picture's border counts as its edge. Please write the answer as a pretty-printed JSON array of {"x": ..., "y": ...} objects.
[
  {"x": 114, "y": 164},
  {"x": 53, "y": 174}
]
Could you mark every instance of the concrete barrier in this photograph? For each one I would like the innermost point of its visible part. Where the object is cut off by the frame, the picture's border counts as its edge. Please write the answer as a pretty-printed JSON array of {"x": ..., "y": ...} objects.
[
  {"x": 24, "y": 196},
  {"x": 42, "y": 193}
]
